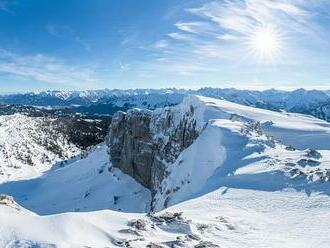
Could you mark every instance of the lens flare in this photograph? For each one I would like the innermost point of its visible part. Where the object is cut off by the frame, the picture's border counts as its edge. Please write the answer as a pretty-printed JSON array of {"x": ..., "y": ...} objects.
[{"x": 266, "y": 43}]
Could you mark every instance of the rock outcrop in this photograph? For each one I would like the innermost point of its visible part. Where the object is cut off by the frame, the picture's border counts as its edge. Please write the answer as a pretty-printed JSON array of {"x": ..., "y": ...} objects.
[
  {"x": 130, "y": 144},
  {"x": 142, "y": 142},
  {"x": 9, "y": 201}
]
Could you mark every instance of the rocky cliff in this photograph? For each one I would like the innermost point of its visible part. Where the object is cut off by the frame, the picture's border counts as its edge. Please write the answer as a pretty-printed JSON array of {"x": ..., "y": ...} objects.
[{"x": 142, "y": 143}]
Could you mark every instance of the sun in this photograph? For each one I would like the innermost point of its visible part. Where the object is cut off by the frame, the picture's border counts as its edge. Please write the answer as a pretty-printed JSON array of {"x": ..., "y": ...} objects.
[{"x": 266, "y": 43}]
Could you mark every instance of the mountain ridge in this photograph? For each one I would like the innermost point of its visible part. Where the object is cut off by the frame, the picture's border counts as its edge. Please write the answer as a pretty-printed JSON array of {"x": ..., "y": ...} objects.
[{"x": 107, "y": 102}]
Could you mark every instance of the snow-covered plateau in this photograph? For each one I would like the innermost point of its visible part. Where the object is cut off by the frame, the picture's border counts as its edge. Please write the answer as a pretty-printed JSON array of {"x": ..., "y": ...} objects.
[{"x": 250, "y": 178}]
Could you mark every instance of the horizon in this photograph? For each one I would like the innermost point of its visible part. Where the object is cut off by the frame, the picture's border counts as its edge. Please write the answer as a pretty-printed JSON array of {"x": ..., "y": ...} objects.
[
  {"x": 168, "y": 88},
  {"x": 79, "y": 45}
]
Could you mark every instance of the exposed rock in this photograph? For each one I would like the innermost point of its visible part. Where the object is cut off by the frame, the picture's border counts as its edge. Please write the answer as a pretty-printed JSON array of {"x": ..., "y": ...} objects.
[
  {"x": 176, "y": 243},
  {"x": 139, "y": 224},
  {"x": 304, "y": 162},
  {"x": 154, "y": 245},
  {"x": 122, "y": 243},
  {"x": 203, "y": 227},
  {"x": 129, "y": 231},
  {"x": 9, "y": 201},
  {"x": 312, "y": 153},
  {"x": 290, "y": 148},
  {"x": 205, "y": 244},
  {"x": 126, "y": 243},
  {"x": 295, "y": 172},
  {"x": 130, "y": 144},
  {"x": 193, "y": 237},
  {"x": 141, "y": 142},
  {"x": 290, "y": 164},
  {"x": 167, "y": 217}
]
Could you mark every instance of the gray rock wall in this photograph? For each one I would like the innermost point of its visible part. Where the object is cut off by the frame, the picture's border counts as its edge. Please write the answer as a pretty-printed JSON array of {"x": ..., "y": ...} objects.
[{"x": 141, "y": 142}]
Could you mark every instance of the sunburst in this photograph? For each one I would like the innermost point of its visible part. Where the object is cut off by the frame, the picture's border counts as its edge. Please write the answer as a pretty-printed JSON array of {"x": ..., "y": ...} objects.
[{"x": 266, "y": 43}]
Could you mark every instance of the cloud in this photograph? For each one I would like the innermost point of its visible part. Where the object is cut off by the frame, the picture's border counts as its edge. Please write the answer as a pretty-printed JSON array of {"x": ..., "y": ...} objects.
[
  {"x": 193, "y": 27},
  {"x": 228, "y": 37},
  {"x": 222, "y": 29},
  {"x": 176, "y": 66},
  {"x": 216, "y": 41},
  {"x": 161, "y": 44},
  {"x": 181, "y": 36},
  {"x": 189, "y": 68},
  {"x": 6, "y": 5},
  {"x": 124, "y": 66},
  {"x": 243, "y": 16},
  {"x": 67, "y": 32},
  {"x": 209, "y": 51},
  {"x": 44, "y": 69}
]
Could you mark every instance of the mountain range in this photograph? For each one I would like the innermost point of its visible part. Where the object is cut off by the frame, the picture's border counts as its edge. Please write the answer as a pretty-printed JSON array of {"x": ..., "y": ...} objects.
[{"x": 107, "y": 102}]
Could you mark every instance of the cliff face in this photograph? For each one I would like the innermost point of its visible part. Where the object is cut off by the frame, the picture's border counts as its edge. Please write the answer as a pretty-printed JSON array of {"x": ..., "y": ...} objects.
[
  {"x": 130, "y": 144},
  {"x": 142, "y": 143}
]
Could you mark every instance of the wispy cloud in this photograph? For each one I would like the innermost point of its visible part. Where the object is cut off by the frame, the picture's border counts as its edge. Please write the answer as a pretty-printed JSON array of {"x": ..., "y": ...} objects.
[
  {"x": 6, "y": 5},
  {"x": 242, "y": 16},
  {"x": 182, "y": 67},
  {"x": 221, "y": 29},
  {"x": 161, "y": 44},
  {"x": 67, "y": 32},
  {"x": 194, "y": 27},
  {"x": 124, "y": 66},
  {"x": 181, "y": 36},
  {"x": 214, "y": 38},
  {"x": 45, "y": 69}
]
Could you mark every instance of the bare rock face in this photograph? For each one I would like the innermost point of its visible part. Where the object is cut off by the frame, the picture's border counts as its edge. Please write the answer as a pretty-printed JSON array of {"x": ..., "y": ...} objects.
[
  {"x": 141, "y": 142},
  {"x": 130, "y": 144}
]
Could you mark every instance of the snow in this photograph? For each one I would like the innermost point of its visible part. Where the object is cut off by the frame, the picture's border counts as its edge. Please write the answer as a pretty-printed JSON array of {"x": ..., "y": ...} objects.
[
  {"x": 238, "y": 185},
  {"x": 22, "y": 151},
  {"x": 298, "y": 130},
  {"x": 262, "y": 218},
  {"x": 227, "y": 217},
  {"x": 84, "y": 185}
]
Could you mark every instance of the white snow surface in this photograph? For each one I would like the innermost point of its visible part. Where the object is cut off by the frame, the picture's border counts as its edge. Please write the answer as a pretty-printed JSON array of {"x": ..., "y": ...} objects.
[
  {"x": 236, "y": 185},
  {"x": 88, "y": 184},
  {"x": 23, "y": 153}
]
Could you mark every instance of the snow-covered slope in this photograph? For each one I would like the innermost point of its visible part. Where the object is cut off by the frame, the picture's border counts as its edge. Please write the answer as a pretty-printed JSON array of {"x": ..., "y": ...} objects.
[
  {"x": 81, "y": 185},
  {"x": 227, "y": 217},
  {"x": 241, "y": 183},
  {"x": 240, "y": 140},
  {"x": 28, "y": 147},
  {"x": 301, "y": 131}
]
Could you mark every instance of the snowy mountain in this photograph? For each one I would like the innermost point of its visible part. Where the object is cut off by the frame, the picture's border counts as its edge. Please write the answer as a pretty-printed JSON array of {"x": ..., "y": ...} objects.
[
  {"x": 31, "y": 145},
  {"x": 107, "y": 102},
  {"x": 218, "y": 174},
  {"x": 322, "y": 112},
  {"x": 88, "y": 97},
  {"x": 299, "y": 101},
  {"x": 152, "y": 147}
]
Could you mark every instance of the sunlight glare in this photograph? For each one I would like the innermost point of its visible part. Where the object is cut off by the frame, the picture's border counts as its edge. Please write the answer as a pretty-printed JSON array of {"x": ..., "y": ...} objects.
[{"x": 265, "y": 43}]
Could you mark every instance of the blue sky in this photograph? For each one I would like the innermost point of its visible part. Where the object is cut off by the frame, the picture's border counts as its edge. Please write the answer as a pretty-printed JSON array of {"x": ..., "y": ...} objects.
[{"x": 86, "y": 44}]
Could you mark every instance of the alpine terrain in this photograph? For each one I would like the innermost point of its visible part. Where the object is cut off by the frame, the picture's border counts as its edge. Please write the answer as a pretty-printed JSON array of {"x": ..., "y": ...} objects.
[{"x": 166, "y": 168}]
